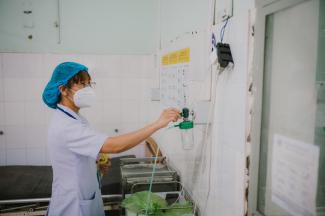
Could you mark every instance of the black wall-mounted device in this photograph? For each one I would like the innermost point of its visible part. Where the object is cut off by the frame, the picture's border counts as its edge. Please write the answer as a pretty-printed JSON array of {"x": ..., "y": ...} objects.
[{"x": 224, "y": 54}]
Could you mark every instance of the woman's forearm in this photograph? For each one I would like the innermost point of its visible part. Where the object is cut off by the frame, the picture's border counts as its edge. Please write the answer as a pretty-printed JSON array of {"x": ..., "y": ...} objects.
[{"x": 124, "y": 142}]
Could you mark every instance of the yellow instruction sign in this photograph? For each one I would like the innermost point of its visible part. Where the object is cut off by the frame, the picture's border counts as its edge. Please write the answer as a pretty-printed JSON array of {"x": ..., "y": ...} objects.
[{"x": 177, "y": 57}]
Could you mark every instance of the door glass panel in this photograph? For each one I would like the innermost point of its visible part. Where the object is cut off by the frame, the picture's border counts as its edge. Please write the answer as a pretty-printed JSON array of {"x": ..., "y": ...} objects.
[{"x": 293, "y": 91}]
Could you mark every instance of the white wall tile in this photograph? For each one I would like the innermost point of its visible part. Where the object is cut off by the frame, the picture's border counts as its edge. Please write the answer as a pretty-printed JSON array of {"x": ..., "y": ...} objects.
[
  {"x": 19, "y": 65},
  {"x": 123, "y": 128},
  {"x": 97, "y": 73},
  {"x": 47, "y": 157},
  {"x": 49, "y": 62},
  {"x": 146, "y": 85},
  {"x": 149, "y": 66},
  {"x": 111, "y": 88},
  {"x": 146, "y": 67},
  {"x": 112, "y": 111},
  {"x": 1, "y": 80},
  {"x": 15, "y": 137},
  {"x": 100, "y": 127},
  {"x": 14, "y": 65},
  {"x": 35, "y": 156},
  {"x": 2, "y": 113},
  {"x": 48, "y": 114},
  {"x": 1, "y": 65},
  {"x": 14, "y": 113},
  {"x": 131, "y": 89},
  {"x": 141, "y": 150},
  {"x": 114, "y": 65},
  {"x": 145, "y": 113},
  {"x": 130, "y": 111},
  {"x": 141, "y": 70},
  {"x": 155, "y": 110},
  {"x": 33, "y": 64},
  {"x": 99, "y": 89},
  {"x": 2, "y": 92},
  {"x": 35, "y": 136},
  {"x": 130, "y": 127},
  {"x": 34, "y": 89},
  {"x": 2, "y": 139},
  {"x": 97, "y": 66},
  {"x": 35, "y": 114},
  {"x": 138, "y": 151},
  {"x": 16, "y": 156},
  {"x": 3, "y": 157},
  {"x": 14, "y": 89},
  {"x": 133, "y": 66},
  {"x": 110, "y": 129}
]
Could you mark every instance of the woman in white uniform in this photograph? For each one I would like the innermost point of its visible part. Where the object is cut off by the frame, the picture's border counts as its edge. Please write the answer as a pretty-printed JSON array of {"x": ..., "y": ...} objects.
[{"x": 74, "y": 145}]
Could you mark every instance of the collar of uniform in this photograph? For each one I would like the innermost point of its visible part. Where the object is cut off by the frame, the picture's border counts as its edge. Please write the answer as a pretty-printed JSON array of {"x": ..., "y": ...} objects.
[{"x": 70, "y": 111}]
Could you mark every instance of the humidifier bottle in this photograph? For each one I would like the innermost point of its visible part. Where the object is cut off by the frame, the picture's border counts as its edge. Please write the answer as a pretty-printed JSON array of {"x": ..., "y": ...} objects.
[{"x": 186, "y": 126}]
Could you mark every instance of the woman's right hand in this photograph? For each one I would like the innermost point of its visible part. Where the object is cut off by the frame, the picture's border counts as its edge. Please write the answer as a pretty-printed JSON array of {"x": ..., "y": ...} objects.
[{"x": 168, "y": 115}]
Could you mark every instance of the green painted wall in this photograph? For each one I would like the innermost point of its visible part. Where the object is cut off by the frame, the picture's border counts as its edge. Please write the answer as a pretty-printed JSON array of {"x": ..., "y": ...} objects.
[
  {"x": 96, "y": 26},
  {"x": 180, "y": 16}
]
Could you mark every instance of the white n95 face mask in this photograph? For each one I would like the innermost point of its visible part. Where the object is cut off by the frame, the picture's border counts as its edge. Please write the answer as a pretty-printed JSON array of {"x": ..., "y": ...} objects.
[{"x": 84, "y": 97}]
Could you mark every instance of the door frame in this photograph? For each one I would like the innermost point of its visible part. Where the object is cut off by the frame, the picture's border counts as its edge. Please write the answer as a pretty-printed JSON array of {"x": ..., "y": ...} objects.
[{"x": 263, "y": 9}]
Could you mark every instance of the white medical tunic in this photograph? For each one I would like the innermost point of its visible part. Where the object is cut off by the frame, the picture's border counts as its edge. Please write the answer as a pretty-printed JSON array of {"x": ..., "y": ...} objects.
[{"x": 73, "y": 148}]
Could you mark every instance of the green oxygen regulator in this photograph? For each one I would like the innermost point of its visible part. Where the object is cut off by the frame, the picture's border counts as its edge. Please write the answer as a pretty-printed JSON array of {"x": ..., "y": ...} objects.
[{"x": 186, "y": 126}]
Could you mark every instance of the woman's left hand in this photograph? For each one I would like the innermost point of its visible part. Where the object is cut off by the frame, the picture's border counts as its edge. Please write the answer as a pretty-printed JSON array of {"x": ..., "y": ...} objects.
[
  {"x": 103, "y": 167},
  {"x": 103, "y": 163}
]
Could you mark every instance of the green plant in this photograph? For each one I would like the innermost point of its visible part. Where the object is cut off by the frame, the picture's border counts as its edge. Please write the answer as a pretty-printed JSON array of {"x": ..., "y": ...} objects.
[{"x": 137, "y": 203}]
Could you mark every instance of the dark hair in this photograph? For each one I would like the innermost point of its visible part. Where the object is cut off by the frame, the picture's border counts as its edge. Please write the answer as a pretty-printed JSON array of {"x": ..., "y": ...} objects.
[{"x": 80, "y": 77}]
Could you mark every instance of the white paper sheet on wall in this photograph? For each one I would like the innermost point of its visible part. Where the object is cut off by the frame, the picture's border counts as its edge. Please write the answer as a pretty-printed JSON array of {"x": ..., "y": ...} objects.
[
  {"x": 294, "y": 175},
  {"x": 172, "y": 85}
]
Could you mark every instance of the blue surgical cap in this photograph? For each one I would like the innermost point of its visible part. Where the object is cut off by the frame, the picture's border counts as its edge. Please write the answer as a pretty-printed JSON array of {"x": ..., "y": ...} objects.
[{"x": 61, "y": 75}]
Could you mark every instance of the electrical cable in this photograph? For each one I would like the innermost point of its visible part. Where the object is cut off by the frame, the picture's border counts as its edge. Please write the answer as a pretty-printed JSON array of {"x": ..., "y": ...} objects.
[
  {"x": 210, "y": 152},
  {"x": 178, "y": 197},
  {"x": 210, "y": 112},
  {"x": 154, "y": 171},
  {"x": 219, "y": 72},
  {"x": 210, "y": 159},
  {"x": 151, "y": 181},
  {"x": 222, "y": 31}
]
